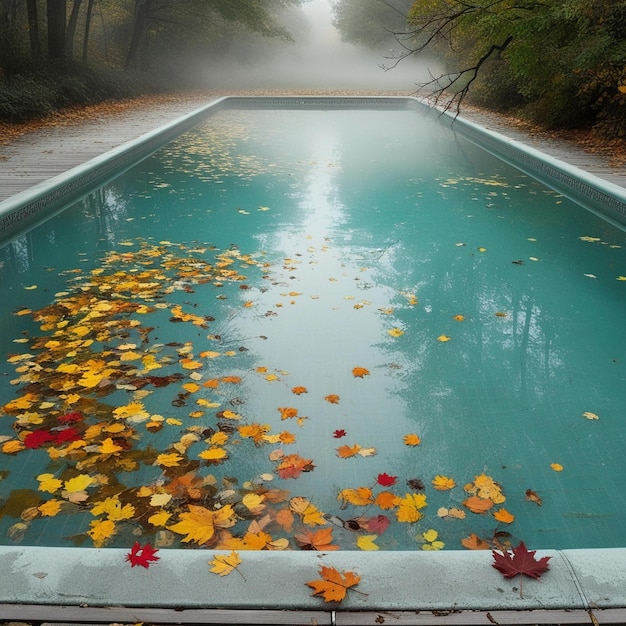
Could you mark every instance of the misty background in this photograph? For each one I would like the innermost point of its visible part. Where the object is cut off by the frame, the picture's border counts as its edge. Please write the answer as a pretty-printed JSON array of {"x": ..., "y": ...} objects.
[{"x": 316, "y": 59}]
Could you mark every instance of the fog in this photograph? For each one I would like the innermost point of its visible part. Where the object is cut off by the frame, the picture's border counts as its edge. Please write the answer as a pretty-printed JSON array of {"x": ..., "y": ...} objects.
[{"x": 317, "y": 59}]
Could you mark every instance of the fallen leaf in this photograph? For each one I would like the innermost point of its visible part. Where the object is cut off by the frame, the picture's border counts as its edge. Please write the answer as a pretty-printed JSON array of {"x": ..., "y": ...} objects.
[
  {"x": 478, "y": 505},
  {"x": 299, "y": 390},
  {"x": 502, "y": 515},
  {"x": 590, "y": 416},
  {"x": 443, "y": 338},
  {"x": 557, "y": 467},
  {"x": 338, "y": 434},
  {"x": 443, "y": 483},
  {"x": 333, "y": 398},
  {"x": 320, "y": 540},
  {"x": 533, "y": 496},
  {"x": 409, "y": 507},
  {"x": 346, "y": 451},
  {"x": 360, "y": 372},
  {"x": 474, "y": 542},
  {"x": 395, "y": 332},
  {"x": 366, "y": 542},
  {"x": 521, "y": 561},
  {"x": 411, "y": 440},
  {"x": 385, "y": 480},
  {"x": 142, "y": 555},
  {"x": 224, "y": 564},
  {"x": 334, "y": 584}
]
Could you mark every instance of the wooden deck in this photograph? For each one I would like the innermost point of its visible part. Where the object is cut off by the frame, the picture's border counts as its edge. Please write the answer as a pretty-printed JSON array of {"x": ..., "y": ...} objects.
[{"x": 53, "y": 150}]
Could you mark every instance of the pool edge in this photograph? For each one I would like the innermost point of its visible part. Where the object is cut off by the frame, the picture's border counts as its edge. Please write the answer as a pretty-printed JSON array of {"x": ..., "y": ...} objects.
[{"x": 453, "y": 580}]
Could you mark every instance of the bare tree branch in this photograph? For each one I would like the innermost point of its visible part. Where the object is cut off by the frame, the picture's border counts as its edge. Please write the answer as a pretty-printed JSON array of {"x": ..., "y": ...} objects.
[{"x": 439, "y": 86}]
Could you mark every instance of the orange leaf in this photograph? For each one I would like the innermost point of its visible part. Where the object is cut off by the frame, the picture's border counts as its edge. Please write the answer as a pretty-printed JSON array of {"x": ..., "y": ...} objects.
[
  {"x": 316, "y": 539},
  {"x": 345, "y": 452},
  {"x": 299, "y": 390},
  {"x": 474, "y": 542},
  {"x": 386, "y": 500},
  {"x": 359, "y": 372},
  {"x": 411, "y": 440},
  {"x": 361, "y": 496},
  {"x": 334, "y": 584},
  {"x": 478, "y": 505},
  {"x": 333, "y": 398},
  {"x": 287, "y": 412},
  {"x": 502, "y": 515}
]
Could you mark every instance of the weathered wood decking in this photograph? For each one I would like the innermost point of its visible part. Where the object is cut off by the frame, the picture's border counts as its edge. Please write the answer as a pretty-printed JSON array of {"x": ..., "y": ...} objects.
[{"x": 53, "y": 150}]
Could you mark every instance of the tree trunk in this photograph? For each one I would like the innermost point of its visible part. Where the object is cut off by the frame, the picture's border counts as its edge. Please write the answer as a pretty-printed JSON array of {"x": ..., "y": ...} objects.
[
  {"x": 87, "y": 26},
  {"x": 71, "y": 28},
  {"x": 56, "y": 28},
  {"x": 33, "y": 29},
  {"x": 136, "y": 58}
]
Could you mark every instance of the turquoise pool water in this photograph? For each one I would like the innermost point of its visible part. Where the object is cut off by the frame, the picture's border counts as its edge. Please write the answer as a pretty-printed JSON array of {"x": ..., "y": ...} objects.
[{"x": 279, "y": 329}]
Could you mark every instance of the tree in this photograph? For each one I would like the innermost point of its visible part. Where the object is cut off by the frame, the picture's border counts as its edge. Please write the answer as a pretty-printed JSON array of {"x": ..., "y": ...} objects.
[
  {"x": 189, "y": 25},
  {"x": 370, "y": 23},
  {"x": 56, "y": 14},
  {"x": 561, "y": 61}
]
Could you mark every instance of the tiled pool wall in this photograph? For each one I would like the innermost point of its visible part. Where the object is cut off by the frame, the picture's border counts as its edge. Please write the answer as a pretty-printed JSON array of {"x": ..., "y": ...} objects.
[{"x": 460, "y": 587}]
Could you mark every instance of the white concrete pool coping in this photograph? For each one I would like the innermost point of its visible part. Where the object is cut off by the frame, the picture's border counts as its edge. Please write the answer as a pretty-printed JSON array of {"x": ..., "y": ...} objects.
[{"x": 444, "y": 587}]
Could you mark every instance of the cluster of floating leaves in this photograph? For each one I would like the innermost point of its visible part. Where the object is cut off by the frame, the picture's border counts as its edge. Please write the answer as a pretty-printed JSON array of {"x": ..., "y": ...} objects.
[{"x": 81, "y": 402}]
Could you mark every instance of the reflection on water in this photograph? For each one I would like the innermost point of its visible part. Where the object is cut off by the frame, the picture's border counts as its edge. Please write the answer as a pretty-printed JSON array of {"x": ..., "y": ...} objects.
[{"x": 285, "y": 322}]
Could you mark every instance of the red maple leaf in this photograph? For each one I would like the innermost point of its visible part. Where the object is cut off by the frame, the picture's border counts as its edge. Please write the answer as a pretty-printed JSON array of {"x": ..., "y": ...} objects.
[
  {"x": 70, "y": 418},
  {"x": 338, "y": 434},
  {"x": 142, "y": 555},
  {"x": 521, "y": 561},
  {"x": 385, "y": 480},
  {"x": 67, "y": 434},
  {"x": 38, "y": 438},
  {"x": 377, "y": 524}
]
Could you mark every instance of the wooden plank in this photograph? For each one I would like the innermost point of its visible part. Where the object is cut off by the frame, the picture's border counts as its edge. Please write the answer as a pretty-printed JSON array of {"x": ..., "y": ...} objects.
[{"x": 107, "y": 615}]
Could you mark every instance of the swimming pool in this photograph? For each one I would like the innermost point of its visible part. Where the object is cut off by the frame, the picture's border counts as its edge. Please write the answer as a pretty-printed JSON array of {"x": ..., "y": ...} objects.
[{"x": 312, "y": 315}]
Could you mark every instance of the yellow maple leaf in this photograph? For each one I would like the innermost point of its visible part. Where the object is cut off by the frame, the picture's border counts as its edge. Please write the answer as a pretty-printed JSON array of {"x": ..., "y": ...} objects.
[
  {"x": 255, "y": 503},
  {"x": 113, "y": 509},
  {"x": 133, "y": 412},
  {"x": 159, "y": 519},
  {"x": 12, "y": 446},
  {"x": 224, "y": 564},
  {"x": 50, "y": 508},
  {"x": 310, "y": 514},
  {"x": 361, "y": 496},
  {"x": 409, "y": 507},
  {"x": 168, "y": 459},
  {"x": 101, "y": 530},
  {"x": 108, "y": 446},
  {"x": 366, "y": 542},
  {"x": 213, "y": 454},
  {"x": 230, "y": 415},
  {"x": 395, "y": 332},
  {"x": 443, "y": 483},
  {"x": 78, "y": 483},
  {"x": 47, "y": 482},
  {"x": 199, "y": 523},
  {"x": 443, "y": 338},
  {"x": 557, "y": 467}
]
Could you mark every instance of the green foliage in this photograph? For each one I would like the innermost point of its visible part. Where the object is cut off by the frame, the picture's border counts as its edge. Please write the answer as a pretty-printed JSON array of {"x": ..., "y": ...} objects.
[{"x": 562, "y": 66}]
